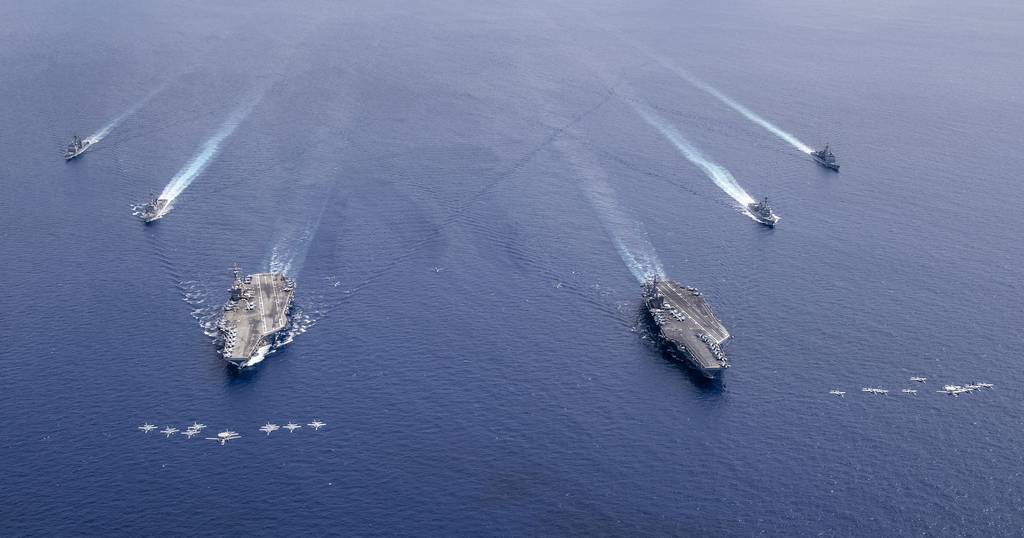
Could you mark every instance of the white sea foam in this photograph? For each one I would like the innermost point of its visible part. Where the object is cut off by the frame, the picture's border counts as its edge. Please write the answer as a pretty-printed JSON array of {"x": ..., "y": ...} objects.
[
  {"x": 625, "y": 232},
  {"x": 718, "y": 173},
  {"x": 714, "y": 92},
  {"x": 106, "y": 129},
  {"x": 209, "y": 150}
]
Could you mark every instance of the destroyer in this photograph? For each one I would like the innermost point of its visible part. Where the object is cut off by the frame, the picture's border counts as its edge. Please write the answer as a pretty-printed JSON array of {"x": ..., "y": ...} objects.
[
  {"x": 255, "y": 316},
  {"x": 826, "y": 158},
  {"x": 762, "y": 212},
  {"x": 686, "y": 326},
  {"x": 77, "y": 147},
  {"x": 155, "y": 209}
]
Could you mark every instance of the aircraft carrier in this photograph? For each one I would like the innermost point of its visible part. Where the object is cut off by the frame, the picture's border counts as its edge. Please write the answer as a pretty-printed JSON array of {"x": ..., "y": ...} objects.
[
  {"x": 686, "y": 326},
  {"x": 255, "y": 316}
]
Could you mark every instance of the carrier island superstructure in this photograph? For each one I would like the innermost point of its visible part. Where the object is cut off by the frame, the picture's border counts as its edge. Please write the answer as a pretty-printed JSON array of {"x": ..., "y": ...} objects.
[
  {"x": 255, "y": 316},
  {"x": 685, "y": 325}
]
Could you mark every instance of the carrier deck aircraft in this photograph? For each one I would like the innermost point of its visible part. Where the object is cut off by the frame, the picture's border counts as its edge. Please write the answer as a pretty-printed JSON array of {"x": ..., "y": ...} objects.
[
  {"x": 686, "y": 326},
  {"x": 254, "y": 316}
]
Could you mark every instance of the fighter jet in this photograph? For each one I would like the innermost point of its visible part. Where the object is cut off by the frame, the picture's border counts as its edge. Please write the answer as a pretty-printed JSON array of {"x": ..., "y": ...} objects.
[
  {"x": 909, "y": 391},
  {"x": 954, "y": 390},
  {"x": 197, "y": 426},
  {"x": 291, "y": 427},
  {"x": 874, "y": 390},
  {"x": 985, "y": 385},
  {"x": 190, "y": 432},
  {"x": 269, "y": 428},
  {"x": 169, "y": 431},
  {"x": 919, "y": 379},
  {"x": 147, "y": 427},
  {"x": 316, "y": 424},
  {"x": 837, "y": 393},
  {"x": 225, "y": 436}
]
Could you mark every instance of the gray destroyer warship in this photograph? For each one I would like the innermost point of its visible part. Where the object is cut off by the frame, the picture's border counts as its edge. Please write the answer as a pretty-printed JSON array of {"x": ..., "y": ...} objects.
[
  {"x": 154, "y": 209},
  {"x": 255, "y": 316},
  {"x": 762, "y": 212},
  {"x": 686, "y": 326},
  {"x": 826, "y": 158},
  {"x": 77, "y": 147}
]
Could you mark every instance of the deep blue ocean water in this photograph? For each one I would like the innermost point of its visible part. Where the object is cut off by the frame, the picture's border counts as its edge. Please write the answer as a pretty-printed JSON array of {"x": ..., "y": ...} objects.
[{"x": 465, "y": 193}]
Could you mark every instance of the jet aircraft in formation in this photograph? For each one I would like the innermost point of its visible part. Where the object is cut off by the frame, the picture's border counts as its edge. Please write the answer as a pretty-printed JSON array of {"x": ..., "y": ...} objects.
[
  {"x": 228, "y": 435},
  {"x": 225, "y": 436},
  {"x": 952, "y": 390}
]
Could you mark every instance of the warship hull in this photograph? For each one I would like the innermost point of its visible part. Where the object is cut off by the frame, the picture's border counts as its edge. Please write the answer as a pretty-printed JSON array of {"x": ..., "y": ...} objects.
[
  {"x": 769, "y": 221},
  {"x": 685, "y": 327},
  {"x": 86, "y": 145},
  {"x": 830, "y": 165},
  {"x": 156, "y": 210},
  {"x": 255, "y": 318}
]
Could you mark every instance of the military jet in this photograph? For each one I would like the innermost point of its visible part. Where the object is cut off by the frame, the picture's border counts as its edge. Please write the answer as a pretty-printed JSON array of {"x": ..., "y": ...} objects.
[
  {"x": 909, "y": 391},
  {"x": 269, "y": 428},
  {"x": 837, "y": 393},
  {"x": 872, "y": 390},
  {"x": 291, "y": 427},
  {"x": 316, "y": 424},
  {"x": 225, "y": 436},
  {"x": 169, "y": 431},
  {"x": 919, "y": 379},
  {"x": 147, "y": 427},
  {"x": 954, "y": 390},
  {"x": 190, "y": 432},
  {"x": 197, "y": 426}
]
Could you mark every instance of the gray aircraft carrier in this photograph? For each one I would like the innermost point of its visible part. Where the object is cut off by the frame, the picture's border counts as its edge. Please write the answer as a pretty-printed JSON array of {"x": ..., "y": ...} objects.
[
  {"x": 686, "y": 326},
  {"x": 255, "y": 316}
]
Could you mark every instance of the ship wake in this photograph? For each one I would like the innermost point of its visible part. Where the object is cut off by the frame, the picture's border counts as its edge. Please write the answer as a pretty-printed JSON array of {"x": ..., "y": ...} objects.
[
  {"x": 209, "y": 150},
  {"x": 626, "y": 233},
  {"x": 103, "y": 132},
  {"x": 206, "y": 312},
  {"x": 714, "y": 92},
  {"x": 718, "y": 173}
]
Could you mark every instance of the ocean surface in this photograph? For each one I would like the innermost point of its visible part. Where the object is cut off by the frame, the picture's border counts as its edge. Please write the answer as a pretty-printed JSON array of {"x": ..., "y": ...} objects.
[{"x": 468, "y": 195}]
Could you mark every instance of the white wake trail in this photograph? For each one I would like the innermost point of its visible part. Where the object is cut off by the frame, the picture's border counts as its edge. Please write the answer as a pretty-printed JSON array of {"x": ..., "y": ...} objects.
[
  {"x": 102, "y": 133},
  {"x": 718, "y": 173},
  {"x": 209, "y": 150},
  {"x": 289, "y": 252},
  {"x": 626, "y": 233},
  {"x": 746, "y": 112},
  {"x": 731, "y": 103}
]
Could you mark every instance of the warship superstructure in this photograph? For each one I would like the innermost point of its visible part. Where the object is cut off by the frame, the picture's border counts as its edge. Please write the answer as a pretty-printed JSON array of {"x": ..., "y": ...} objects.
[
  {"x": 762, "y": 212},
  {"x": 686, "y": 326},
  {"x": 154, "y": 209},
  {"x": 826, "y": 158},
  {"x": 255, "y": 316},
  {"x": 77, "y": 147}
]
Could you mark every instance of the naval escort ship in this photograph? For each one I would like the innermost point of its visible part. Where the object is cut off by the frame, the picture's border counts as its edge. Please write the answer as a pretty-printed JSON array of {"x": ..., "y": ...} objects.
[
  {"x": 155, "y": 209},
  {"x": 826, "y": 158},
  {"x": 762, "y": 212},
  {"x": 685, "y": 325},
  {"x": 255, "y": 316},
  {"x": 77, "y": 147}
]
